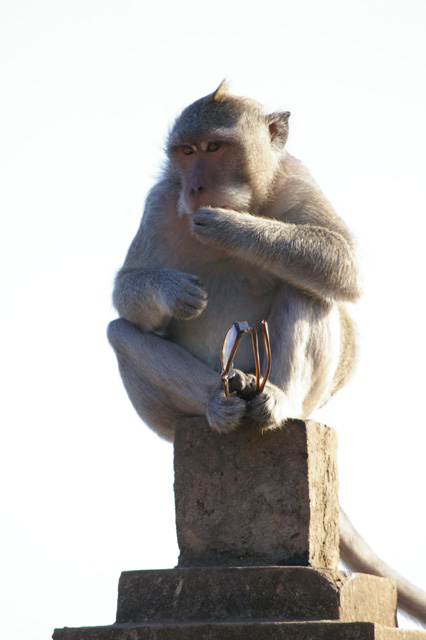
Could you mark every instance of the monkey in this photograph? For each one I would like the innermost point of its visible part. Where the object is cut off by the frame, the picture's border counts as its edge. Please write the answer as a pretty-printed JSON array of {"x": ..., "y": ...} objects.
[{"x": 236, "y": 228}]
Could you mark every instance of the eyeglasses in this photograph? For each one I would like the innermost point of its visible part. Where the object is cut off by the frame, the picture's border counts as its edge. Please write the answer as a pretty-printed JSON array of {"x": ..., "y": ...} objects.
[{"x": 229, "y": 348}]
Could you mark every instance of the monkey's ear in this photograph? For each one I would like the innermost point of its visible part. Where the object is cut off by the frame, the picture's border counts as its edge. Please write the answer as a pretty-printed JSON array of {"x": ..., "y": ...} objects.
[
  {"x": 278, "y": 128},
  {"x": 221, "y": 92}
]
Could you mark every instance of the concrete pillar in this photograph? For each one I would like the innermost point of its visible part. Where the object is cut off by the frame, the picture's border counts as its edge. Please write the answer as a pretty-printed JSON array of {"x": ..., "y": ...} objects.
[
  {"x": 256, "y": 499},
  {"x": 250, "y": 506}
]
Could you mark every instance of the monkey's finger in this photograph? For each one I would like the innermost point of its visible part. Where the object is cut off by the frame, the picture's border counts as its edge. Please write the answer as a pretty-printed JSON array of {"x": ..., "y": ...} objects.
[
  {"x": 198, "y": 220},
  {"x": 194, "y": 295},
  {"x": 189, "y": 305},
  {"x": 196, "y": 299},
  {"x": 225, "y": 414},
  {"x": 195, "y": 280},
  {"x": 237, "y": 382},
  {"x": 198, "y": 290},
  {"x": 205, "y": 216}
]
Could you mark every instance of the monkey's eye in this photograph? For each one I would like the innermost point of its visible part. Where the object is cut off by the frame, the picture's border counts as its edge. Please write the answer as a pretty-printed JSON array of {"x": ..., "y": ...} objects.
[
  {"x": 187, "y": 150},
  {"x": 213, "y": 146}
]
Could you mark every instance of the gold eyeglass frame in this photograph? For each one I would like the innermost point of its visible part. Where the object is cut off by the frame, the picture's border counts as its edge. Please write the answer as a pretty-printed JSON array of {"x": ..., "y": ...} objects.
[{"x": 235, "y": 333}]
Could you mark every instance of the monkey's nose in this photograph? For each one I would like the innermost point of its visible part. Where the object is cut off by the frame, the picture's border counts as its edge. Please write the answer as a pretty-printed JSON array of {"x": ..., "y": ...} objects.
[{"x": 195, "y": 197}]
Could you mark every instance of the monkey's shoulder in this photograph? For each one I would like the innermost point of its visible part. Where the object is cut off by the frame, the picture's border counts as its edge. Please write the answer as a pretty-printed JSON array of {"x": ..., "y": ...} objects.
[
  {"x": 161, "y": 203},
  {"x": 298, "y": 199}
]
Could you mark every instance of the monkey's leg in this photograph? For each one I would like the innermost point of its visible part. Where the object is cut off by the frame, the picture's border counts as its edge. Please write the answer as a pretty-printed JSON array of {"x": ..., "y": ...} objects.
[
  {"x": 163, "y": 380},
  {"x": 305, "y": 345}
]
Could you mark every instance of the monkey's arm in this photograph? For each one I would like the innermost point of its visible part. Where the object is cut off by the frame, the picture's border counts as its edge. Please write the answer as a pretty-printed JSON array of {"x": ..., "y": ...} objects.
[
  {"x": 149, "y": 298},
  {"x": 310, "y": 257},
  {"x": 147, "y": 292}
]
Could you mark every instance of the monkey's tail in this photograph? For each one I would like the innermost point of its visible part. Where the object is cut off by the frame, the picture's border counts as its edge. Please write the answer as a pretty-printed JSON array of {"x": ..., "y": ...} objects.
[{"x": 356, "y": 553}]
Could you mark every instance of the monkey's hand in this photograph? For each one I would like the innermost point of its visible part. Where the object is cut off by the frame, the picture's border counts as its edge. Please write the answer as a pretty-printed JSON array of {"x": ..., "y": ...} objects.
[
  {"x": 183, "y": 295},
  {"x": 151, "y": 297},
  {"x": 214, "y": 226}
]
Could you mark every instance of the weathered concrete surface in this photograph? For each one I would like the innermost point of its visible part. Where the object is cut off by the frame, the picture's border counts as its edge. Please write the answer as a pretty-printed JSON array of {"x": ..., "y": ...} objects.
[
  {"x": 249, "y": 593},
  {"x": 253, "y": 499},
  {"x": 242, "y": 631}
]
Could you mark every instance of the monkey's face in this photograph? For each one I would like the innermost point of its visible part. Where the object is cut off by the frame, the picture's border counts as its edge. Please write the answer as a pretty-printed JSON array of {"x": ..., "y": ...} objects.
[
  {"x": 224, "y": 153},
  {"x": 211, "y": 173}
]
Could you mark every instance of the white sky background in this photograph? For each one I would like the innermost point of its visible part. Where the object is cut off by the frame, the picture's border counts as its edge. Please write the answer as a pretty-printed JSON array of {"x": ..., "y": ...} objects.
[{"x": 88, "y": 90}]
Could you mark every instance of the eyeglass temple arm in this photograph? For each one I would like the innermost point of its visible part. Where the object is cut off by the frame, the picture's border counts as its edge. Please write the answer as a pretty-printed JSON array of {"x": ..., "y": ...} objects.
[
  {"x": 225, "y": 378},
  {"x": 268, "y": 354},
  {"x": 256, "y": 355}
]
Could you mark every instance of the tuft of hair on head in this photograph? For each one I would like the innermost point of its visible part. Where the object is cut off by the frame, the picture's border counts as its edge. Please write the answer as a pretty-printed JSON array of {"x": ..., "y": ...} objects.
[{"x": 221, "y": 92}]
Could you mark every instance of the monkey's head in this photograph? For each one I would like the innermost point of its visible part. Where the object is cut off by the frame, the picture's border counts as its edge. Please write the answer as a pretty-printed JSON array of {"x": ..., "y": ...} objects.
[{"x": 224, "y": 152}]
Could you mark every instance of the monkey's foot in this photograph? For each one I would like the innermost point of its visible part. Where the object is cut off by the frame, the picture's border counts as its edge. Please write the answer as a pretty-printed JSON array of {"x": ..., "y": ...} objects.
[
  {"x": 225, "y": 414},
  {"x": 268, "y": 409}
]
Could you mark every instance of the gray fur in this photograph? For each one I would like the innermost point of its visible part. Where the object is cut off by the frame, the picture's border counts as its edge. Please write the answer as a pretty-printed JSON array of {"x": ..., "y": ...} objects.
[{"x": 241, "y": 233}]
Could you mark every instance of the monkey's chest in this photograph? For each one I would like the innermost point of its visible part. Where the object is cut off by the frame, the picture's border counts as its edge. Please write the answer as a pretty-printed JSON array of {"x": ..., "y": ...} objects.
[{"x": 236, "y": 297}]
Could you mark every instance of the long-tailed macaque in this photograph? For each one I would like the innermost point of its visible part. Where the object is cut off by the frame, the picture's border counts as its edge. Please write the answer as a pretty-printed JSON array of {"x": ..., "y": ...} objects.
[{"x": 236, "y": 229}]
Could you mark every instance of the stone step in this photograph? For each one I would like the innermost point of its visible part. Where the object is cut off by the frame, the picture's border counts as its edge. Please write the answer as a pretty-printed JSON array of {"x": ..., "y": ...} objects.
[
  {"x": 246, "y": 593},
  {"x": 254, "y": 630}
]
